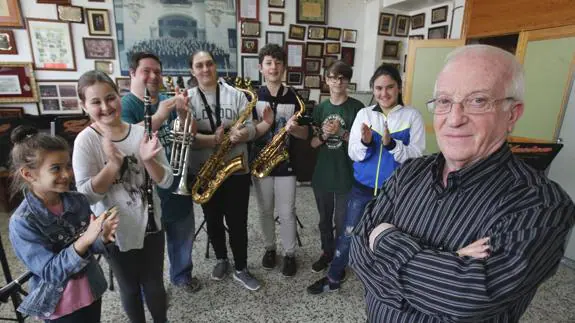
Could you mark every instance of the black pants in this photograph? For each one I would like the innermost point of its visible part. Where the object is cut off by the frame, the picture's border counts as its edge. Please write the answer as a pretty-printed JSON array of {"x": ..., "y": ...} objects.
[
  {"x": 230, "y": 201},
  {"x": 88, "y": 314},
  {"x": 141, "y": 270}
]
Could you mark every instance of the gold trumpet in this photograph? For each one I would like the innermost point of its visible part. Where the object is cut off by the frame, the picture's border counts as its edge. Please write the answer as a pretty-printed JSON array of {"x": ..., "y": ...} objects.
[{"x": 275, "y": 151}]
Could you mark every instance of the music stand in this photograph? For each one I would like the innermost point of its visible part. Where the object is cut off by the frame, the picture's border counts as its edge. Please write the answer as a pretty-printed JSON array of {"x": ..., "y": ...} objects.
[
  {"x": 16, "y": 290},
  {"x": 537, "y": 155}
]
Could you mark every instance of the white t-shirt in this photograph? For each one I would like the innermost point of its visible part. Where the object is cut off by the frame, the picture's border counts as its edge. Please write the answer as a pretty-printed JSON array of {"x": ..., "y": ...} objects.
[{"x": 127, "y": 192}]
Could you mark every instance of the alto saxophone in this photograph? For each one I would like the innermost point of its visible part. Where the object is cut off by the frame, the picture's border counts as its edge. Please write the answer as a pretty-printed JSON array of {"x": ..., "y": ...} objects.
[
  {"x": 275, "y": 151},
  {"x": 215, "y": 170}
]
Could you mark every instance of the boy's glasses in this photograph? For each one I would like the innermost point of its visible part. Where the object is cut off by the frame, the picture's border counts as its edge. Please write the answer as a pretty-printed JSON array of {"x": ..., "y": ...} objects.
[{"x": 337, "y": 79}]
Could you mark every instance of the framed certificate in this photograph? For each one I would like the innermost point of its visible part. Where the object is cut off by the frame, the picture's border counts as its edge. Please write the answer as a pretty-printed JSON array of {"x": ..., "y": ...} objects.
[
  {"x": 311, "y": 12},
  {"x": 249, "y": 10},
  {"x": 295, "y": 55},
  {"x": 17, "y": 83},
  {"x": 11, "y": 14}
]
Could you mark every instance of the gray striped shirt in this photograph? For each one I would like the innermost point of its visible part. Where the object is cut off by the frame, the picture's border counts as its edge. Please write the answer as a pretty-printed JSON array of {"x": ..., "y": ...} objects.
[{"x": 415, "y": 275}]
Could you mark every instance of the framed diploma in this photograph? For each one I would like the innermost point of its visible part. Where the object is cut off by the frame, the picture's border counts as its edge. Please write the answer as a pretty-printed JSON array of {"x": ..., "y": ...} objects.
[
  {"x": 17, "y": 83},
  {"x": 295, "y": 53},
  {"x": 249, "y": 10},
  {"x": 311, "y": 12},
  {"x": 250, "y": 69}
]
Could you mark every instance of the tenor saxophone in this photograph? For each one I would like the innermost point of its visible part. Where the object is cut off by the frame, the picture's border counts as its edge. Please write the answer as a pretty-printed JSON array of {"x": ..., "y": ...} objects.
[
  {"x": 275, "y": 151},
  {"x": 216, "y": 170}
]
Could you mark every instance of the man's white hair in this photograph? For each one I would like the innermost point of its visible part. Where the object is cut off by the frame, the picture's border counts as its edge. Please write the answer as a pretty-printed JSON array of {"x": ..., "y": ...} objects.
[{"x": 514, "y": 84}]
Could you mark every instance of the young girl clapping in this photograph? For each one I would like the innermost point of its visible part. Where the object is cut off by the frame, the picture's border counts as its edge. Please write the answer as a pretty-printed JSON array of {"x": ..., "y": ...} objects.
[
  {"x": 111, "y": 159},
  {"x": 46, "y": 232}
]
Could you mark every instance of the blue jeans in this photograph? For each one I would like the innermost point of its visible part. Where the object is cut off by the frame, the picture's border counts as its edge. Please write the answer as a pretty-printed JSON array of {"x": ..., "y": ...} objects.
[
  {"x": 358, "y": 199},
  {"x": 179, "y": 225}
]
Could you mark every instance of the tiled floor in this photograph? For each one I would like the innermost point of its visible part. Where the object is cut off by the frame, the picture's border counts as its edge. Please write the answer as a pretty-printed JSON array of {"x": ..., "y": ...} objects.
[{"x": 285, "y": 300}]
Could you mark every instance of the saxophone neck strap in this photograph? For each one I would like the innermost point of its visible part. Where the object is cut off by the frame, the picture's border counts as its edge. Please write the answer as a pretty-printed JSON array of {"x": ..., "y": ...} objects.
[{"x": 218, "y": 122}]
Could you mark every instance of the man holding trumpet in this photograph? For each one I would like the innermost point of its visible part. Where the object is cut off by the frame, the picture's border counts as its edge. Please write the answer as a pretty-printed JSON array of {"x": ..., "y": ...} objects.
[{"x": 177, "y": 210}]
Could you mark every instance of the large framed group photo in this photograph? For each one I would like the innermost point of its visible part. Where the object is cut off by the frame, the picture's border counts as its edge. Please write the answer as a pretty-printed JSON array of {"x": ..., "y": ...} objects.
[{"x": 175, "y": 29}]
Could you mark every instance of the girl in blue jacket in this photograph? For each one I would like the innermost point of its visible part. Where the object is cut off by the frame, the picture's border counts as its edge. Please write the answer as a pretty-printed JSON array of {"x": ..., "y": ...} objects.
[{"x": 46, "y": 232}]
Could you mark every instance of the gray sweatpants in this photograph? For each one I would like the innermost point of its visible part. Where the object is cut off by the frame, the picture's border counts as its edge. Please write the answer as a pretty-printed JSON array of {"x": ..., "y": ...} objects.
[{"x": 278, "y": 192}]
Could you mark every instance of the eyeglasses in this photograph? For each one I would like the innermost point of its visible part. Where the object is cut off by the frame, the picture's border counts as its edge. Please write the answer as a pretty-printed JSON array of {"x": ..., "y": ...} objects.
[
  {"x": 473, "y": 104},
  {"x": 339, "y": 79}
]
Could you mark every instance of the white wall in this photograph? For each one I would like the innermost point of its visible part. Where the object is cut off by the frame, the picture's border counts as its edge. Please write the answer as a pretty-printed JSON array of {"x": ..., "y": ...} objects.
[{"x": 561, "y": 169}]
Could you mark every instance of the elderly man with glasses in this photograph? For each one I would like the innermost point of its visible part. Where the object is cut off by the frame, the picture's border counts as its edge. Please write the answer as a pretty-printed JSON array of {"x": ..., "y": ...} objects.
[{"x": 470, "y": 233}]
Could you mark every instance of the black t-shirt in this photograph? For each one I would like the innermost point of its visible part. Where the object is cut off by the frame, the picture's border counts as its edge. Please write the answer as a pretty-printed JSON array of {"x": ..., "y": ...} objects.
[{"x": 285, "y": 105}]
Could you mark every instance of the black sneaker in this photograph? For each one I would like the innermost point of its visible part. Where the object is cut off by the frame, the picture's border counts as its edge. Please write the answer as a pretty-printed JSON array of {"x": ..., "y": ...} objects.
[
  {"x": 269, "y": 260},
  {"x": 321, "y": 264},
  {"x": 289, "y": 266},
  {"x": 321, "y": 286}
]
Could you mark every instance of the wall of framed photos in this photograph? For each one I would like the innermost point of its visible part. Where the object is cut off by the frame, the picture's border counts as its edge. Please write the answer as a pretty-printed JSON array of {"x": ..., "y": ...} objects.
[
  {"x": 74, "y": 63},
  {"x": 90, "y": 39}
]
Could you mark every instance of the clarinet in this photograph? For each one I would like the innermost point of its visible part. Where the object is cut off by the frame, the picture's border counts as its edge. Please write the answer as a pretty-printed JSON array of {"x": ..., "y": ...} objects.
[{"x": 151, "y": 226}]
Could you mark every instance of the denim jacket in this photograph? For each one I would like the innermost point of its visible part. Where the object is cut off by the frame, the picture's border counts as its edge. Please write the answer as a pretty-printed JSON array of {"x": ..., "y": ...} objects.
[{"x": 39, "y": 239}]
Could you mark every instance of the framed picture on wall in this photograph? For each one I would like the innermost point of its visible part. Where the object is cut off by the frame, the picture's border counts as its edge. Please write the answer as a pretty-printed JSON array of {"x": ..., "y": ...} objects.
[
  {"x": 250, "y": 69},
  {"x": 276, "y": 3},
  {"x": 314, "y": 50},
  {"x": 316, "y": 33},
  {"x": 328, "y": 60},
  {"x": 417, "y": 37},
  {"x": 348, "y": 55},
  {"x": 276, "y": 37},
  {"x": 390, "y": 49},
  {"x": 59, "y": 97},
  {"x": 312, "y": 81},
  {"x": 276, "y": 18},
  {"x": 352, "y": 87},
  {"x": 294, "y": 78},
  {"x": 437, "y": 32},
  {"x": 303, "y": 93},
  {"x": 333, "y": 33},
  {"x": 312, "y": 66},
  {"x": 311, "y": 12},
  {"x": 99, "y": 48},
  {"x": 98, "y": 22},
  {"x": 401, "y": 26},
  {"x": 17, "y": 83},
  {"x": 123, "y": 84},
  {"x": 439, "y": 14},
  {"x": 11, "y": 112},
  {"x": 385, "y": 24},
  {"x": 332, "y": 48},
  {"x": 52, "y": 47},
  {"x": 349, "y": 36},
  {"x": 295, "y": 52},
  {"x": 296, "y": 32},
  {"x": 11, "y": 14},
  {"x": 250, "y": 28},
  {"x": 249, "y": 9},
  {"x": 73, "y": 14},
  {"x": 65, "y": 2},
  {"x": 104, "y": 66},
  {"x": 249, "y": 46},
  {"x": 418, "y": 21},
  {"x": 7, "y": 43}
]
